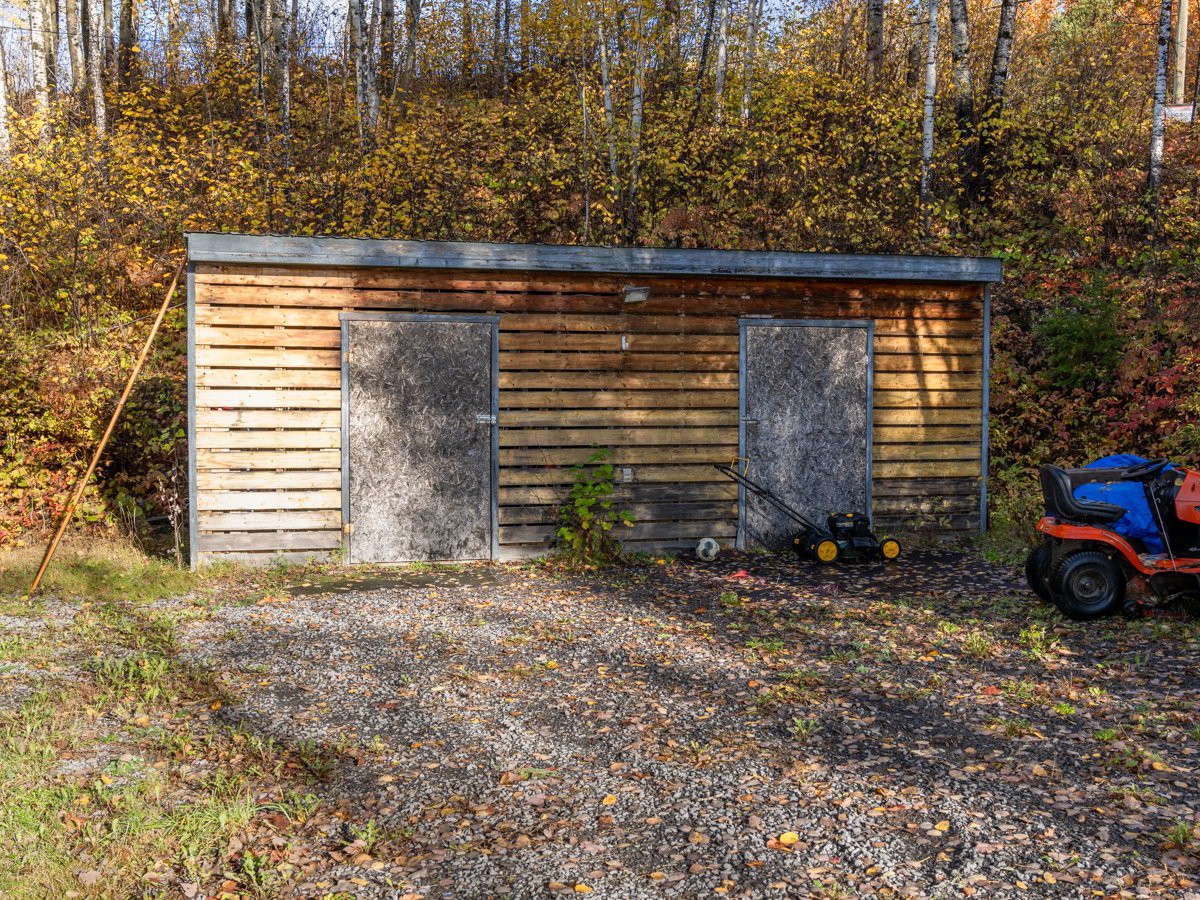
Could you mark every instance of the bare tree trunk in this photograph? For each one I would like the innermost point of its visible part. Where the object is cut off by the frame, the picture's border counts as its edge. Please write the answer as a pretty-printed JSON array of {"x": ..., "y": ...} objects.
[
  {"x": 751, "y": 46},
  {"x": 95, "y": 68},
  {"x": 281, "y": 38},
  {"x": 703, "y": 66},
  {"x": 927, "y": 131},
  {"x": 5, "y": 138},
  {"x": 964, "y": 100},
  {"x": 469, "y": 51},
  {"x": 366, "y": 93},
  {"x": 126, "y": 62},
  {"x": 41, "y": 83},
  {"x": 387, "y": 48},
  {"x": 1002, "y": 57},
  {"x": 53, "y": 75},
  {"x": 874, "y": 40},
  {"x": 506, "y": 47},
  {"x": 225, "y": 27},
  {"x": 110, "y": 53},
  {"x": 1158, "y": 122},
  {"x": 723, "y": 13},
  {"x": 960, "y": 49},
  {"x": 412, "y": 24},
  {"x": 635, "y": 134},
  {"x": 174, "y": 37},
  {"x": 74, "y": 43},
  {"x": 609, "y": 117},
  {"x": 1181, "y": 42}
]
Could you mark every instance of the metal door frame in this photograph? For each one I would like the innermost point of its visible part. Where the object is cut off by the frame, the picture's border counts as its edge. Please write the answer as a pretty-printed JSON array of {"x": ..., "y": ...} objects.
[
  {"x": 494, "y": 321},
  {"x": 746, "y": 323}
]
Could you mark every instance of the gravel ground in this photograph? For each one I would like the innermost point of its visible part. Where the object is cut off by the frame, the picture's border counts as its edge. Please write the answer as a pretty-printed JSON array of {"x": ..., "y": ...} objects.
[{"x": 748, "y": 727}]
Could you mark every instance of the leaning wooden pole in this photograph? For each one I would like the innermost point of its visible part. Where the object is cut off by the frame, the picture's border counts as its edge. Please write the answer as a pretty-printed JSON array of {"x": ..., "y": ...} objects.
[{"x": 81, "y": 485}]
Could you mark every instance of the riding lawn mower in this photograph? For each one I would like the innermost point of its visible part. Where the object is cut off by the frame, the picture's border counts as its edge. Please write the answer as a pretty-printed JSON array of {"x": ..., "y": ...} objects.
[{"x": 1094, "y": 548}]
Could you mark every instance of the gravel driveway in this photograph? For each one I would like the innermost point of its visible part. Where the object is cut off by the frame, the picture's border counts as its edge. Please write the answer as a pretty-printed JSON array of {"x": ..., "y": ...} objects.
[{"x": 748, "y": 727}]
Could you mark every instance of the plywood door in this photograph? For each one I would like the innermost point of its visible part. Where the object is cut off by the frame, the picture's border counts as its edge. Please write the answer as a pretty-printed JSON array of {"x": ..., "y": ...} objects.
[
  {"x": 420, "y": 437},
  {"x": 806, "y": 423}
]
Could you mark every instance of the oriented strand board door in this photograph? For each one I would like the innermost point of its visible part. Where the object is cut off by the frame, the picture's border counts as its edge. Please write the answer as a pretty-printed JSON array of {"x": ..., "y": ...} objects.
[
  {"x": 419, "y": 437},
  {"x": 806, "y": 422}
]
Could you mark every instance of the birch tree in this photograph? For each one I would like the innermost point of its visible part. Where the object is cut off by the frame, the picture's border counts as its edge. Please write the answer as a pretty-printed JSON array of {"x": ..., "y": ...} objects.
[
  {"x": 964, "y": 103},
  {"x": 874, "y": 40},
  {"x": 281, "y": 39},
  {"x": 1158, "y": 122},
  {"x": 609, "y": 117},
  {"x": 5, "y": 138},
  {"x": 126, "y": 37},
  {"x": 721, "y": 61},
  {"x": 412, "y": 24},
  {"x": 753, "y": 16},
  {"x": 110, "y": 52},
  {"x": 1002, "y": 56},
  {"x": 95, "y": 68},
  {"x": 366, "y": 92},
  {"x": 635, "y": 132},
  {"x": 387, "y": 47},
  {"x": 41, "y": 82},
  {"x": 224, "y": 22},
  {"x": 1181, "y": 42},
  {"x": 71, "y": 17},
  {"x": 927, "y": 131}
]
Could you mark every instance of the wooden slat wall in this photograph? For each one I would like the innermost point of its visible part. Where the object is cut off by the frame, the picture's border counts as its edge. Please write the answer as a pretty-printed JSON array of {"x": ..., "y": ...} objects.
[{"x": 268, "y": 396}]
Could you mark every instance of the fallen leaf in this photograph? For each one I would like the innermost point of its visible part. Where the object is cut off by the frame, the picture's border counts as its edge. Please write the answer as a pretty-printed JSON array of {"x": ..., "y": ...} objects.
[{"x": 609, "y": 800}]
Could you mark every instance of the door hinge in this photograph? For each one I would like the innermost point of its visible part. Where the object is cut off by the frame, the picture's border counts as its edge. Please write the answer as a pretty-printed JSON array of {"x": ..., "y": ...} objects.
[
  {"x": 746, "y": 420},
  {"x": 485, "y": 419}
]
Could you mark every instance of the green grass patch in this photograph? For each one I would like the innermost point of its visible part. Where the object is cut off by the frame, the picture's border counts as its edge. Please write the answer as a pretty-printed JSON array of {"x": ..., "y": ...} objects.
[{"x": 99, "y": 571}]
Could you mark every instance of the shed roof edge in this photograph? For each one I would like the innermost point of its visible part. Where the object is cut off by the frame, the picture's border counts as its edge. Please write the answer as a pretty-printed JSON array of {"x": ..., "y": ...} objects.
[{"x": 206, "y": 247}]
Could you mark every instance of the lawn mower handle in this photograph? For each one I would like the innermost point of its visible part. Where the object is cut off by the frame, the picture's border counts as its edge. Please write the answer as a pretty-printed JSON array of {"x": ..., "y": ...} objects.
[{"x": 758, "y": 490}]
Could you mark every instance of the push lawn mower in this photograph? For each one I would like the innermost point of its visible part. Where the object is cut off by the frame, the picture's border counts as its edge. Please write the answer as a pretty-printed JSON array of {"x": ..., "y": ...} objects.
[
  {"x": 1086, "y": 563},
  {"x": 846, "y": 536}
]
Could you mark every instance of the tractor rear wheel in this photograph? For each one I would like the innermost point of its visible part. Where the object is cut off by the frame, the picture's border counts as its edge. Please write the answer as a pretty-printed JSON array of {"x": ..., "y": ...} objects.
[
  {"x": 1087, "y": 584},
  {"x": 1037, "y": 571}
]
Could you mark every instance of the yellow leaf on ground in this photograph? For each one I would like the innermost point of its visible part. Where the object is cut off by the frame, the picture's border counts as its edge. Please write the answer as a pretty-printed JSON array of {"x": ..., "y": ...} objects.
[
  {"x": 582, "y": 889},
  {"x": 789, "y": 839},
  {"x": 609, "y": 800},
  {"x": 942, "y": 825}
]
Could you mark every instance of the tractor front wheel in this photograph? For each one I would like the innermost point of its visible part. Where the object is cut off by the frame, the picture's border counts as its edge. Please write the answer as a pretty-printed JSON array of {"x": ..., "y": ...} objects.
[{"x": 1087, "y": 584}]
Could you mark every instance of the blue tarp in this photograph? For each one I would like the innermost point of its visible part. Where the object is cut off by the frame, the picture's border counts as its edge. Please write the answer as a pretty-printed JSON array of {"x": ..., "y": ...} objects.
[{"x": 1139, "y": 521}]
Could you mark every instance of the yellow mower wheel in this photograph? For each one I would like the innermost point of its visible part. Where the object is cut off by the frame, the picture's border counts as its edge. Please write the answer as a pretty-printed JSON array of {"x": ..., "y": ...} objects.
[
  {"x": 889, "y": 548},
  {"x": 827, "y": 551}
]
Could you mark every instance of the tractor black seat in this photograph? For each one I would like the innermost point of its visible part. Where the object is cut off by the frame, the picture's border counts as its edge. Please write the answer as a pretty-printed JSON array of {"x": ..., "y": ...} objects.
[{"x": 1061, "y": 501}]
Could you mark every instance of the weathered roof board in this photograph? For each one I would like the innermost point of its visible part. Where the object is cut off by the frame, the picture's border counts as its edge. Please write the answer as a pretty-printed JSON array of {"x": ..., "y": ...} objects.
[{"x": 270, "y": 250}]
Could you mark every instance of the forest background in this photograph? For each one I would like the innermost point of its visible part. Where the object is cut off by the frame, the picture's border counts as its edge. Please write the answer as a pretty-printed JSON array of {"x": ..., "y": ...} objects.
[{"x": 714, "y": 123}]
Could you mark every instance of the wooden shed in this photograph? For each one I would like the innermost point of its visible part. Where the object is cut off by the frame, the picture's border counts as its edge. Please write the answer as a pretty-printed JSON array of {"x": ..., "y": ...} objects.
[{"x": 399, "y": 400}]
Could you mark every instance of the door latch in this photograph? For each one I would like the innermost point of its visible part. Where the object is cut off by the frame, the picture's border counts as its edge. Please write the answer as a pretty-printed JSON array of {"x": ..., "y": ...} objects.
[{"x": 485, "y": 419}]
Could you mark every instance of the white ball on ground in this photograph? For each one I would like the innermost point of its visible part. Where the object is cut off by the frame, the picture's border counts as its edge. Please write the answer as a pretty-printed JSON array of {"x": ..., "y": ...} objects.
[{"x": 708, "y": 549}]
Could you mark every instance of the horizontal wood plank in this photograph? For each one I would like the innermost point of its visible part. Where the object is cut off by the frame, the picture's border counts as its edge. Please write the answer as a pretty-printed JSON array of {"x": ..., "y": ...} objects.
[
  {"x": 585, "y": 399},
  {"x": 910, "y": 469},
  {"x": 694, "y": 381},
  {"x": 617, "y": 343},
  {"x": 259, "y": 358},
  {"x": 269, "y": 480},
  {"x": 921, "y": 434},
  {"x": 900, "y": 452},
  {"x": 642, "y": 512},
  {"x": 224, "y": 336},
  {"x": 268, "y": 440},
  {"x": 220, "y": 542},
  {"x": 553, "y": 495},
  {"x": 663, "y": 473},
  {"x": 612, "y": 437},
  {"x": 928, "y": 381},
  {"x": 618, "y": 456},
  {"x": 244, "y": 398},
  {"x": 268, "y": 459},
  {"x": 521, "y": 418},
  {"x": 232, "y": 501},
  {"x": 294, "y": 520},
  {"x": 268, "y": 418},
  {"x": 927, "y": 416},
  {"x": 270, "y": 378},
  {"x": 967, "y": 399}
]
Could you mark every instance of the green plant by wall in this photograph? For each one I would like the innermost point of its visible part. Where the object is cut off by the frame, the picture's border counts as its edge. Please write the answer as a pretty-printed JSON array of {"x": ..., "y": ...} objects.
[{"x": 587, "y": 518}]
